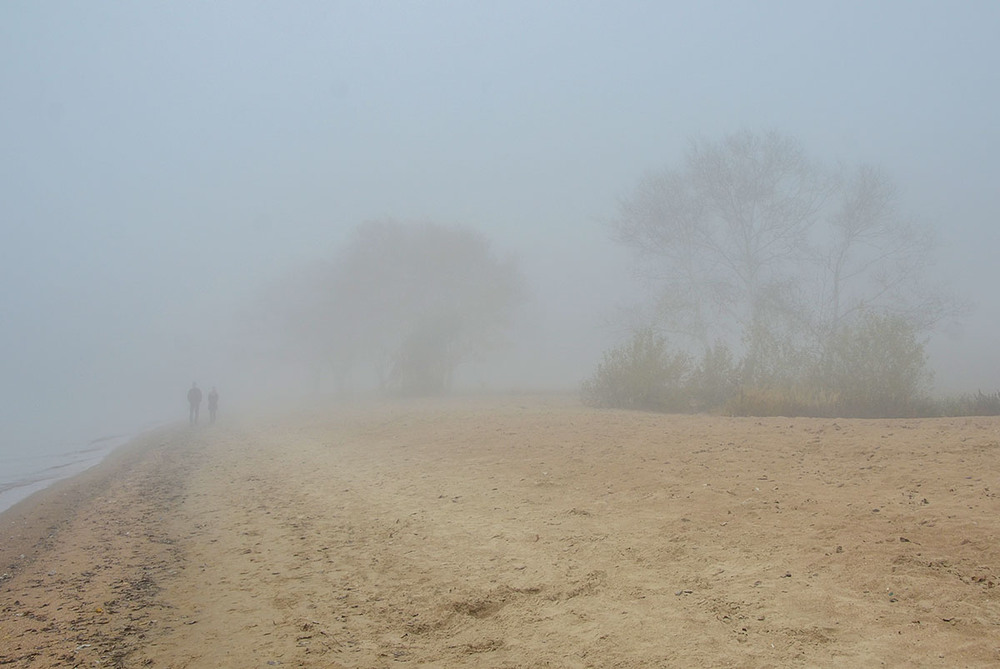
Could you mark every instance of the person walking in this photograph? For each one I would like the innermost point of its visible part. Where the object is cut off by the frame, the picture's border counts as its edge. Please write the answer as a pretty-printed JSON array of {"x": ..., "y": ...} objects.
[
  {"x": 213, "y": 404},
  {"x": 194, "y": 400}
]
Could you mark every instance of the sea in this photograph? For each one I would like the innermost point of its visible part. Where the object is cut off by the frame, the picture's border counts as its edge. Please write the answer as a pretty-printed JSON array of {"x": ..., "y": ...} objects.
[{"x": 23, "y": 473}]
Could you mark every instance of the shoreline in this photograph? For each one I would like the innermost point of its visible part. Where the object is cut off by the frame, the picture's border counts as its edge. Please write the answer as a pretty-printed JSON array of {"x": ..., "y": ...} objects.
[
  {"x": 62, "y": 465},
  {"x": 81, "y": 561},
  {"x": 69, "y": 464},
  {"x": 27, "y": 523}
]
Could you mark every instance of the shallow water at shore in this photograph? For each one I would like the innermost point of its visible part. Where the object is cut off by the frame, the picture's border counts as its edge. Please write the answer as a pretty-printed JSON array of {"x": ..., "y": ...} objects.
[{"x": 25, "y": 473}]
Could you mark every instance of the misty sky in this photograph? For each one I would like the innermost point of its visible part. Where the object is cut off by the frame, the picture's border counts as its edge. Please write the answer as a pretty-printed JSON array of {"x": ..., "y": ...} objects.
[{"x": 161, "y": 161}]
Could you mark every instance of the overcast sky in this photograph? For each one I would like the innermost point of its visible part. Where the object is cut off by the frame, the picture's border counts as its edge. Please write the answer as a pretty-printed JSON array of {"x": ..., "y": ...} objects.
[{"x": 160, "y": 160}]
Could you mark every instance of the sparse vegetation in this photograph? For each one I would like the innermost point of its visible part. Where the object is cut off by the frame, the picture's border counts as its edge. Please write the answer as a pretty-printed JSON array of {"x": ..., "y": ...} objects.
[
  {"x": 715, "y": 379},
  {"x": 971, "y": 404},
  {"x": 641, "y": 374},
  {"x": 874, "y": 368}
]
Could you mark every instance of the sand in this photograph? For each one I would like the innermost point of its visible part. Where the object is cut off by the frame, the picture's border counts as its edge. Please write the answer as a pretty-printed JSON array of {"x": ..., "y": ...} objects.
[{"x": 516, "y": 532}]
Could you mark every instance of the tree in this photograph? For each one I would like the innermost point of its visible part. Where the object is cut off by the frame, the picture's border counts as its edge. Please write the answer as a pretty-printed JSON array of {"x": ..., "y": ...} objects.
[
  {"x": 413, "y": 301},
  {"x": 752, "y": 242},
  {"x": 870, "y": 259}
]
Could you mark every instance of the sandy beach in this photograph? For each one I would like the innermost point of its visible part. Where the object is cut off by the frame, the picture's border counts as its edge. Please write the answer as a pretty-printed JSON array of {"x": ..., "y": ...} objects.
[{"x": 515, "y": 532}]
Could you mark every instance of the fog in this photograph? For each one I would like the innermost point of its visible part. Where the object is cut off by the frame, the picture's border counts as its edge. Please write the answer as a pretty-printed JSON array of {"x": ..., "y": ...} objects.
[{"x": 161, "y": 164}]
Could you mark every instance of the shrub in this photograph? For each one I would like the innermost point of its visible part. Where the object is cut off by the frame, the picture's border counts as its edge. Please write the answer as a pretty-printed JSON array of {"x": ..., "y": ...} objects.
[
  {"x": 980, "y": 404},
  {"x": 768, "y": 402},
  {"x": 641, "y": 374},
  {"x": 715, "y": 380},
  {"x": 876, "y": 367}
]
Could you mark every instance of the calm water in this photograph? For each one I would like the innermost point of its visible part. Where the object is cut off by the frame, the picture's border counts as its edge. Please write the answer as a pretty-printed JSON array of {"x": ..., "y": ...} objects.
[{"x": 27, "y": 471}]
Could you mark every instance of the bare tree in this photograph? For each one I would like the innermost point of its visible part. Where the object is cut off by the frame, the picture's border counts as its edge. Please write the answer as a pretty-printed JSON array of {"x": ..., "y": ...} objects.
[
  {"x": 873, "y": 259},
  {"x": 751, "y": 242}
]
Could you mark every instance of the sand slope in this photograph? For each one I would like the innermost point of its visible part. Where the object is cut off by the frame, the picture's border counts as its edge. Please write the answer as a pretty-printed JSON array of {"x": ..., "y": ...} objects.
[{"x": 517, "y": 532}]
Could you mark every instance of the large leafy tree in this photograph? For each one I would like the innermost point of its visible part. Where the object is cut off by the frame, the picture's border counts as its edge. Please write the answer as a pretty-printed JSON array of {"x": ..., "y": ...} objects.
[{"x": 412, "y": 302}]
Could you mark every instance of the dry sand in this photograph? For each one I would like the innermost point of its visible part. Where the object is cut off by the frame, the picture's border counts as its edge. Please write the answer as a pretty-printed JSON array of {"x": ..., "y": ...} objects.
[{"x": 517, "y": 532}]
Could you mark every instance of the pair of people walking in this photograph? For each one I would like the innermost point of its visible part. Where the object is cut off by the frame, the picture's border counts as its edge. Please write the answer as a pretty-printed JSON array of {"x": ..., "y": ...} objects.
[{"x": 194, "y": 401}]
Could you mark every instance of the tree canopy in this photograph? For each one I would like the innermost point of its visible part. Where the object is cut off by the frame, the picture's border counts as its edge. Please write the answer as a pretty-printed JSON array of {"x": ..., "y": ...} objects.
[{"x": 411, "y": 302}]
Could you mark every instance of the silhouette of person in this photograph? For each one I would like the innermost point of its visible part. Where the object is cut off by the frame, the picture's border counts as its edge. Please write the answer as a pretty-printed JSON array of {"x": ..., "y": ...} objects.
[
  {"x": 213, "y": 404},
  {"x": 194, "y": 399}
]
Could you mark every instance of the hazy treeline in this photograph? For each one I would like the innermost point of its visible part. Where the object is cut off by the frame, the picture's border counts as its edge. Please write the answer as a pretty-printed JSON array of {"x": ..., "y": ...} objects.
[
  {"x": 774, "y": 284},
  {"x": 779, "y": 286}
]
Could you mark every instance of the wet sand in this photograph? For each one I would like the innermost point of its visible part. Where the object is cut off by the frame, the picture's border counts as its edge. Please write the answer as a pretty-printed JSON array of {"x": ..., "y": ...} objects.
[{"x": 515, "y": 532}]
